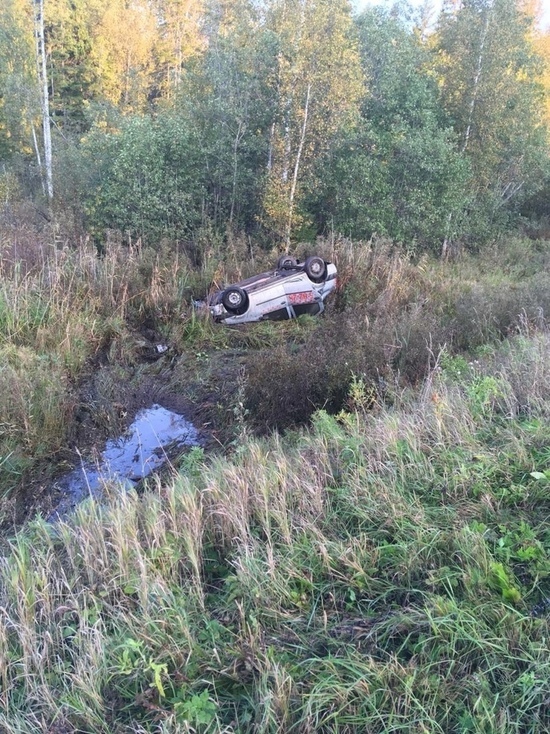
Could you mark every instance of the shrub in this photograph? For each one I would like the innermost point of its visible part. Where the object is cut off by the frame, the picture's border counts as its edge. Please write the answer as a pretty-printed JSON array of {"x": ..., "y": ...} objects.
[
  {"x": 143, "y": 179},
  {"x": 487, "y": 311},
  {"x": 288, "y": 383}
]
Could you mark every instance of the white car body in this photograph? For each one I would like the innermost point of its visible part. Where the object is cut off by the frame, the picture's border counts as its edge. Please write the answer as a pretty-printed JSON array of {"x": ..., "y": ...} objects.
[{"x": 283, "y": 293}]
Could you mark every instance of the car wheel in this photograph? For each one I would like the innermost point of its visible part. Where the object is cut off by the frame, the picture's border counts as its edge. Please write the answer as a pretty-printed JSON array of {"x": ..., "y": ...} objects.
[
  {"x": 285, "y": 262},
  {"x": 315, "y": 268},
  {"x": 235, "y": 300}
]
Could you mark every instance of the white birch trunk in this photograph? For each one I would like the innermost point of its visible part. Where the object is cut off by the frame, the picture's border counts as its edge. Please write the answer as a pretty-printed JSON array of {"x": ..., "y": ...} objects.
[
  {"x": 38, "y": 158},
  {"x": 477, "y": 80},
  {"x": 238, "y": 137},
  {"x": 42, "y": 71},
  {"x": 270, "y": 149},
  {"x": 297, "y": 169},
  {"x": 446, "y": 250},
  {"x": 288, "y": 143}
]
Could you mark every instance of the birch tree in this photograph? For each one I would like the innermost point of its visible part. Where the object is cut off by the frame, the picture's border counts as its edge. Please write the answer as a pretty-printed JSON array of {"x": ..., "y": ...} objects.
[
  {"x": 316, "y": 84},
  {"x": 397, "y": 172},
  {"x": 489, "y": 76},
  {"x": 223, "y": 97},
  {"x": 180, "y": 38},
  {"x": 123, "y": 42},
  {"x": 42, "y": 76}
]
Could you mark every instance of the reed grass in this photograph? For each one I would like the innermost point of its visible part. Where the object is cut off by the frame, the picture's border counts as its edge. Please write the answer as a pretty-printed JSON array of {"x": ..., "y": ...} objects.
[{"x": 60, "y": 308}]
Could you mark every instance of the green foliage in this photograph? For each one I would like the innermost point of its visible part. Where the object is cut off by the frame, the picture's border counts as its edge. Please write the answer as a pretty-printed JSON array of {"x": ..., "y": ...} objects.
[
  {"x": 315, "y": 84},
  {"x": 282, "y": 121},
  {"x": 132, "y": 660},
  {"x": 72, "y": 76},
  {"x": 397, "y": 172},
  {"x": 499, "y": 580},
  {"x": 199, "y": 710},
  {"x": 18, "y": 103},
  {"x": 145, "y": 181},
  {"x": 227, "y": 102},
  {"x": 490, "y": 88}
]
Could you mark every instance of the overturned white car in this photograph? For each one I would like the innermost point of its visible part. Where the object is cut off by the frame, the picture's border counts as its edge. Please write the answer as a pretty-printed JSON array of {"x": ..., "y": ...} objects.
[{"x": 292, "y": 289}]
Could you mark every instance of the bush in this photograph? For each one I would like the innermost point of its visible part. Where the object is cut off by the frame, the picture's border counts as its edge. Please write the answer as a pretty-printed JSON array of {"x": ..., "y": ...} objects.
[
  {"x": 142, "y": 180},
  {"x": 288, "y": 383}
]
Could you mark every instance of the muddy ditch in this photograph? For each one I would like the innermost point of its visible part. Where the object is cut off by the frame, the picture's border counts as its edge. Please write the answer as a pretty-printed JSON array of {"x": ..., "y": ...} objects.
[
  {"x": 133, "y": 420},
  {"x": 145, "y": 447}
]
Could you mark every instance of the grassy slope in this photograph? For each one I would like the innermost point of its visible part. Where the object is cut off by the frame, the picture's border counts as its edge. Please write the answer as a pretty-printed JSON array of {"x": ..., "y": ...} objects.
[{"x": 386, "y": 570}]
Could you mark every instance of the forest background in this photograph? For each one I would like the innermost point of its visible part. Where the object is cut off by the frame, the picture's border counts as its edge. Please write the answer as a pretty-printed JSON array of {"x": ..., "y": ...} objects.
[{"x": 282, "y": 120}]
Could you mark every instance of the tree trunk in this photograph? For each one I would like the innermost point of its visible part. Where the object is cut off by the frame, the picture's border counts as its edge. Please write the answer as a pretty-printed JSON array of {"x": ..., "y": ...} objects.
[
  {"x": 42, "y": 72},
  {"x": 238, "y": 137},
  {"x": 477, "y": 79},
  {"x": 38, "y": 157},
  {"x": 296, "y": 170},
  {"x": 448, "y": 250}
]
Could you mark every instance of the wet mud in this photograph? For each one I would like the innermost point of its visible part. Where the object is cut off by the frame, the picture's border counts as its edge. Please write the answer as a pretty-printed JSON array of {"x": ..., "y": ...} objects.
[
  {"x": 116, "y": 430},
  {"x": 145, "y": 446}
]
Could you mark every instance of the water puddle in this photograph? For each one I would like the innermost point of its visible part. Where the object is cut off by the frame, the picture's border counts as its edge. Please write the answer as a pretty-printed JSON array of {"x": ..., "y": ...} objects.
[{"x": 139, "y": 451}]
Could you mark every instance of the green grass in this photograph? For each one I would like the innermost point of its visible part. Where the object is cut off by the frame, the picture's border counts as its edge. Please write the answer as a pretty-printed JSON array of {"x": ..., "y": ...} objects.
[{"x": 386, "y": 570}]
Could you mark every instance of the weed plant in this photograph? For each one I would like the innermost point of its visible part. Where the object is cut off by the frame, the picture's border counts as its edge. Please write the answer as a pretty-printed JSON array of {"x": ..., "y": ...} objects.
[{"x": 386, "y": 570}]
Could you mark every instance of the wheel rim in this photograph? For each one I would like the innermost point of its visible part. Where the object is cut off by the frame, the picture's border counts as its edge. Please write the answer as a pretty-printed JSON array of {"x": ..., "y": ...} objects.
[
  {"x": 234, "y": 299},
  {"x": 316, "y": 268}
]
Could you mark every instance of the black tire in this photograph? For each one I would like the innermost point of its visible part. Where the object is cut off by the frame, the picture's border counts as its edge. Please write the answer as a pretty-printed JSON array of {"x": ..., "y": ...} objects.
[
  {"x": 235, "y": 300},
  {"x": 315, "y": 268},
  {"x": 286, "y": 262}
]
